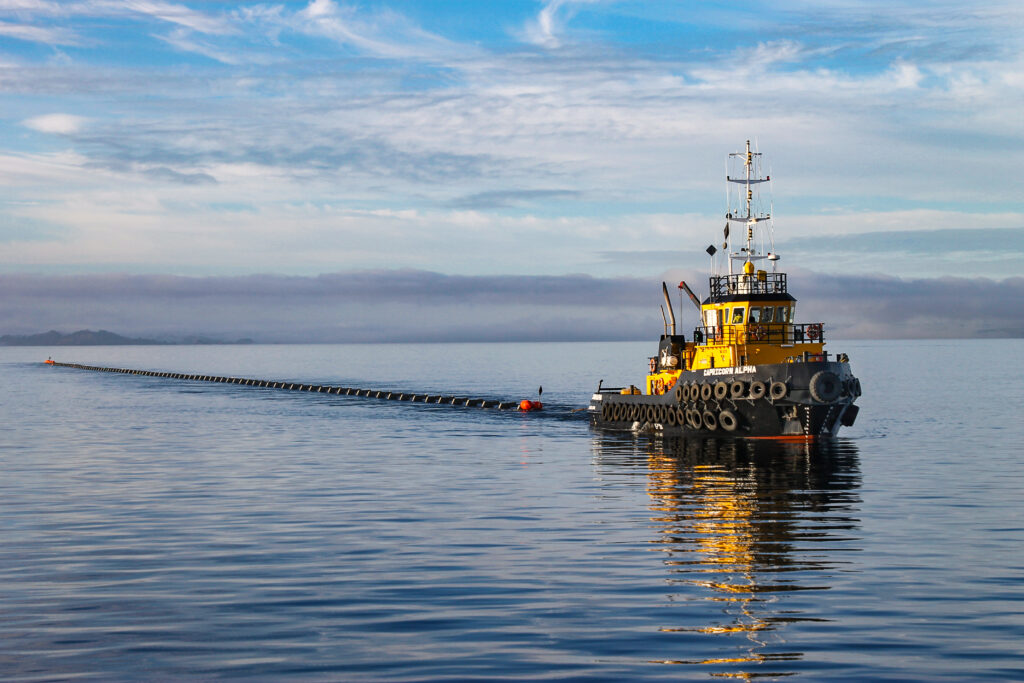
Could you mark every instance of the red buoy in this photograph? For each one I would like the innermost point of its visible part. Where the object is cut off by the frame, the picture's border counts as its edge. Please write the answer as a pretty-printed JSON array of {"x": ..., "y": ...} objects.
[{"x": 527, "y": 405}]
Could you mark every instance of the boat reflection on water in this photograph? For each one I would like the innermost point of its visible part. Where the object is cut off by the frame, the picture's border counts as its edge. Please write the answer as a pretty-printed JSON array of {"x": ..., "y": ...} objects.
[{"x": 749, "y": 532}]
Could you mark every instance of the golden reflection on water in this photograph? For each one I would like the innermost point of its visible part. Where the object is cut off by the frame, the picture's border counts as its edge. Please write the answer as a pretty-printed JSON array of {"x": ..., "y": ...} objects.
[{"x": 741, "y": 525}]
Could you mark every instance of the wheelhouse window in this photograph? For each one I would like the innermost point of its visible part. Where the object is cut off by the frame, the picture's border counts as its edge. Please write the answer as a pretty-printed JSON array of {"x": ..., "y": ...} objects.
[
  {"x": 782, "y": 314},
  {"x": 755, "y": 315},
  {"x": 737, "y": 315}
]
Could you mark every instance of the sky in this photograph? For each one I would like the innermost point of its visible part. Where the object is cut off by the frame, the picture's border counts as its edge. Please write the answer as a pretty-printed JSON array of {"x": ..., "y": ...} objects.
[{"x": 363, "y": 171}]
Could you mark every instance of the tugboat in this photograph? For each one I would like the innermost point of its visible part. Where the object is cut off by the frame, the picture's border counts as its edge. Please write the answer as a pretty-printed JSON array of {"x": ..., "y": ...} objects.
[{"x": 749, "y": 370}]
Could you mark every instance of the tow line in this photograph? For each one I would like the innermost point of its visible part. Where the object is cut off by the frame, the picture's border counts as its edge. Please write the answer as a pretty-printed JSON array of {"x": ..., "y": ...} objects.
[{"x": 524, "y": 405}]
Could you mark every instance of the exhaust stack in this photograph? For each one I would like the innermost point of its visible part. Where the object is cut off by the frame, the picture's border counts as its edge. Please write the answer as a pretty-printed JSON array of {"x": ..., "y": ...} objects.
[{"x": 668, "y": 306}]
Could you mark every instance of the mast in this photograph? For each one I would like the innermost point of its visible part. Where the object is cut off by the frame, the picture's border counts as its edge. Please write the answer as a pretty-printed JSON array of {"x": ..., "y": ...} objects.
[{"x": 747, "y": 211}]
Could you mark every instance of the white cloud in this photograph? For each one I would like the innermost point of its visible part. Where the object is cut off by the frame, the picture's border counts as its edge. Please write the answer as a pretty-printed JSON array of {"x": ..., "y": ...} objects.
[
  {"x": 182, "y": 39},
  {"x": 40, "y": 34},
  {"x": 384, "y": 34},
  {"x": 60, "y": 124},
  {"x": 320, "y": 8},
  {"x": 26, "y": 6},
  {"x": 171, "y": 13},
  {"x": 546, "y": 29}
]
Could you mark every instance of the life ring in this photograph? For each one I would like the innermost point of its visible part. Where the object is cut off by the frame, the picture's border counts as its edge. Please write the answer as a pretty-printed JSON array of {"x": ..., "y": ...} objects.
[
  {"x": 825, "y": 386},
  {"x": 757, "y": 389},
  {"x": 778, "y": 390},
  {"x": 659, "y": 386},
  {"x": 727, "y": 420},
  {"x": 814, "y": 331},
  {"x": 757, "y": 332}
]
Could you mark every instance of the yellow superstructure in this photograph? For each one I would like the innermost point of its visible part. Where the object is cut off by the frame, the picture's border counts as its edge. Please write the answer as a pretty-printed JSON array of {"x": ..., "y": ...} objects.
[{"x": 747, "y": 321}]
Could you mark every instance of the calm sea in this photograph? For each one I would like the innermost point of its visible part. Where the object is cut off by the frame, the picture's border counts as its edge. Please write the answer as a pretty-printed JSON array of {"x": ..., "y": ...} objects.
[{"x": 157, "y": 529}]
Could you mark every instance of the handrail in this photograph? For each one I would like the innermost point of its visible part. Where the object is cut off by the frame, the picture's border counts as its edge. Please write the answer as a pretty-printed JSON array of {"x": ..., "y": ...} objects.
[
  {"x": 743, "y": 283},
  {"x": 760, "y": 333}
]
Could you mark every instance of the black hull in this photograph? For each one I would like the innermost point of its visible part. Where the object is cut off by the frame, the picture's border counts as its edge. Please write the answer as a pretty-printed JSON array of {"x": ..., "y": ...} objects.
[{"x": 794, "y": 400}]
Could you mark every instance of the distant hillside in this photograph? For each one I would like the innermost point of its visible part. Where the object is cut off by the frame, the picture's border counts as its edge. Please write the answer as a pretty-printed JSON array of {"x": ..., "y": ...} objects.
[
  {"x": 80, "y": 338},
  {"x": 103, "y": 338}
]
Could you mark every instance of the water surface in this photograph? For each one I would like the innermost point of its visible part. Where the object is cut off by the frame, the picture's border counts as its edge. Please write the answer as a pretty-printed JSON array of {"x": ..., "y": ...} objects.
[{"x": 173, "y": 530}]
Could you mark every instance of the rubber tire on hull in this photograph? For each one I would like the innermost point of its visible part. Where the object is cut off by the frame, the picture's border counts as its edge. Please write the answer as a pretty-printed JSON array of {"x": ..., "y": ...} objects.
[
  {"x": 778, "y": 390},
  {"x": 709, "y": 420},
  {"x": 737, "y": 389},
  {"x": 727, "y": 420},
  {"x": 757, "y": 389},
  {"x": 825, "y": 386}
]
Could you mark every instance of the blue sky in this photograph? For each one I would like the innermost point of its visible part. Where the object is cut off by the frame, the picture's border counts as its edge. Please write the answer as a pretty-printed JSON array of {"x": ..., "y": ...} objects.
[{"x": 531, "y": 138}]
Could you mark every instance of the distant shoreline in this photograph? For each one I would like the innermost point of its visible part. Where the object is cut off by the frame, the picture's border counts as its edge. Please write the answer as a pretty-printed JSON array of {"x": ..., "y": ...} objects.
[{"x": 101, "y": 338}]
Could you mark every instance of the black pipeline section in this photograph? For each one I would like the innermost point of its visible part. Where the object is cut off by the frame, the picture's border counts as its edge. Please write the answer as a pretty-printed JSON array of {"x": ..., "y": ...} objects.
[{"x": 316, "y": 388}]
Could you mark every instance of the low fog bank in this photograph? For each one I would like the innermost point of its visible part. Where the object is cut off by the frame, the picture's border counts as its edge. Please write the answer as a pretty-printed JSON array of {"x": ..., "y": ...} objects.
[{"x": 410, "y": 305}]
